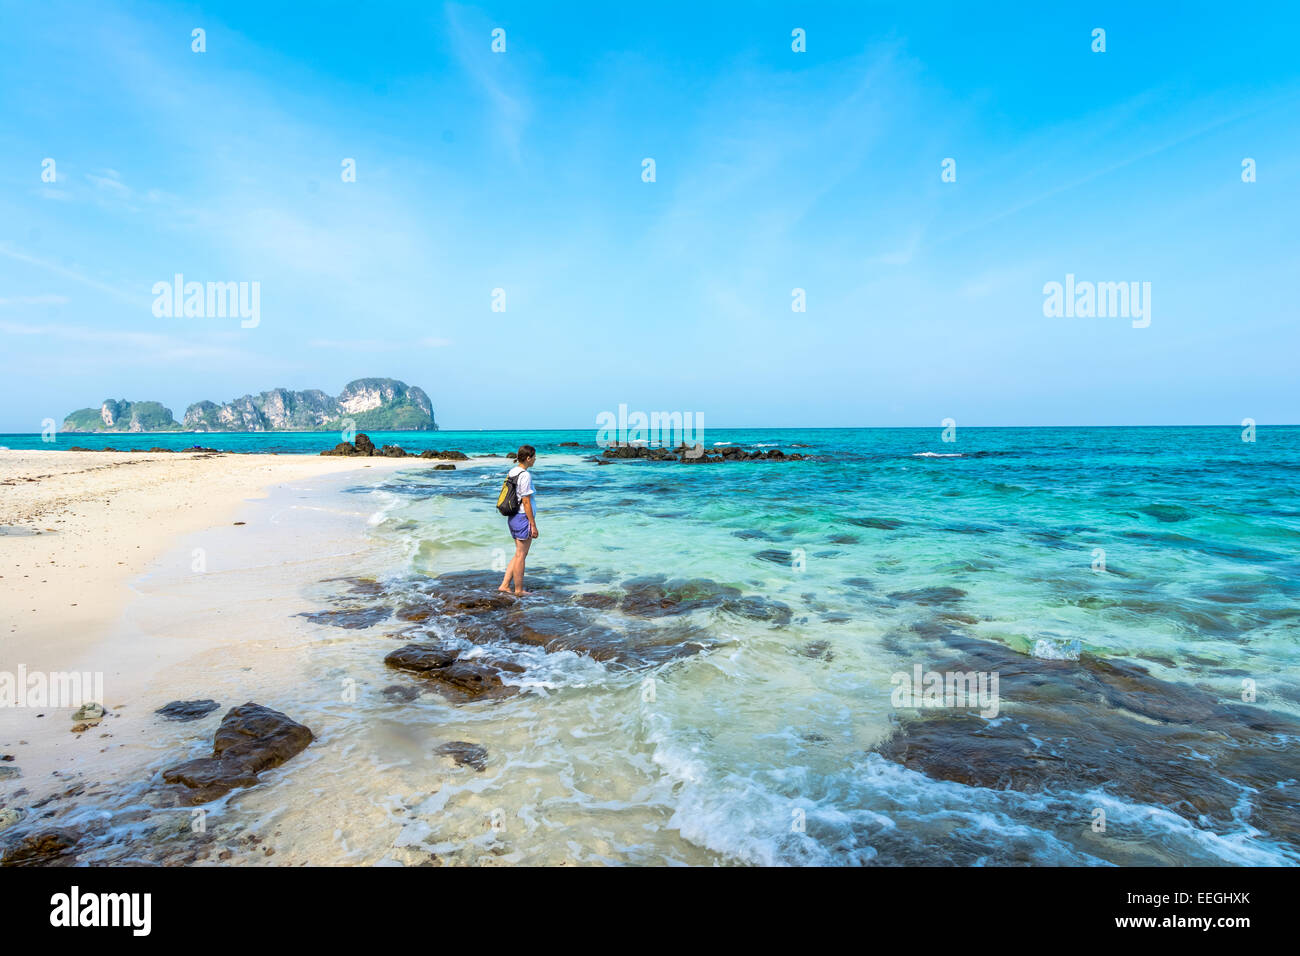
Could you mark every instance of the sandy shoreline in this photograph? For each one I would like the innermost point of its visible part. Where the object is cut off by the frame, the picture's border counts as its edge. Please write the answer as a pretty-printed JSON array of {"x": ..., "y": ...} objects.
[
  {"x": 95, "y": 548},
  {"x": 77, "y": 527}
]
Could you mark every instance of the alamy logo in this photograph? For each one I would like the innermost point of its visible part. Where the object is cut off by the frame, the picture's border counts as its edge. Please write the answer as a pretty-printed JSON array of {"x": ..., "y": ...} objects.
[
  {"x": 103, "y": 909},
  {"x": 213, "y": 300},
  {"x": 1107, "y": 300},
  {"x": 656, "y": 429},
  {"x": 947, "y": 689},
  {"x": 56, "y": 689}
]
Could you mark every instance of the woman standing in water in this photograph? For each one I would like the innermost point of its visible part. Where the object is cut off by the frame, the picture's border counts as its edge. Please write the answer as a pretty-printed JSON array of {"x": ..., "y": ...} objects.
[{"x": 523, "y": 524}]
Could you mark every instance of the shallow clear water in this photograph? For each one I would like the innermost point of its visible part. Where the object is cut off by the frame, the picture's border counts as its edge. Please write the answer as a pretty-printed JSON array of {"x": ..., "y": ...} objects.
[
  {"x": 774, "y": 736},
  {"x": 1202, "y": 571}
]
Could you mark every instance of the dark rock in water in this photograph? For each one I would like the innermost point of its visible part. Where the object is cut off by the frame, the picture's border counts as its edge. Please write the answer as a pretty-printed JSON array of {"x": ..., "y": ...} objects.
[
  {"x": 884, "y": 524},
  {"x": 364, "y": 445},
  {"x": 393, "y": 451},
  {"x": 471, "y": 679},
  {"x": 774, "y": 556},
  {"x": 570, "y": 444},
  {"x": 351, "y": 618},
  {"x": 52, "y": 847},
  {"x": 475, "y": 680},
  {"x": 1166, "y": 513},
  {"x": 187, "y": 709},
  {"x": 453, "y": 455},
  {"x": 465, "y": 754},
  {"x": 820, "y": 650},
  {"x": 421, "y": 658},
  {"x": 542, "y": 626},
  {"x": 654, "y": 596},
  {"x": 414, "y": 613},
  {"x": 557, "y": 619},
  {"x": 444, "y": 467},
  {"x": 861, "y": 584},
  {"x": 342, "y": 448},
  {"x": 639, "y": 451},
  {"x": 1092, "y": 723},
  {"x": 358, "y": 585},
  {"x": 687, "y": 455},
  {"x": 252, "y": 738},
  {"x": 755, "y": 608},
  {"x": 928, "y": 596},
  {"x": 1132, "y": 688},
  {"x": 401, "y": 692},
  {"x": 477, "y": 603}
]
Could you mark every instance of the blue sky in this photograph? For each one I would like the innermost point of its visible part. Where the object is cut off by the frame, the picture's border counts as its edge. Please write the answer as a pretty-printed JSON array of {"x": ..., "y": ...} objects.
[{"x": 775, "y": 170}]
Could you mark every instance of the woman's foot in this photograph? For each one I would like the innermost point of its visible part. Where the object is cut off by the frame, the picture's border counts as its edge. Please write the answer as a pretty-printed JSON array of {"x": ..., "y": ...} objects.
[
  {"x": 503, "y": 589},
  {"x": 522, "y": 593}
]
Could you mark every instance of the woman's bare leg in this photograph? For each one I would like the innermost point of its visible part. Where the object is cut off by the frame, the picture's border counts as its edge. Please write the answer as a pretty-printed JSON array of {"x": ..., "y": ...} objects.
[
  {"x": 522, "y": 555},
  {"x": 516, "y": 566}
]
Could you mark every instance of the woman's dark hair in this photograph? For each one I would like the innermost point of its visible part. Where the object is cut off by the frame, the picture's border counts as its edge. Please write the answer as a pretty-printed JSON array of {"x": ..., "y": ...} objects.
[{"x": 525, "y": 452}]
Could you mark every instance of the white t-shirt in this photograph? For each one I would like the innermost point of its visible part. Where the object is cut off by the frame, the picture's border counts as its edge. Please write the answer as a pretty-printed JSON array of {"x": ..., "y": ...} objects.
[{"x": 524, "y": 486}]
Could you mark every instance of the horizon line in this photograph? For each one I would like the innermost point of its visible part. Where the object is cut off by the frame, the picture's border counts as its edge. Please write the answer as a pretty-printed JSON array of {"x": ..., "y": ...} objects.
[{"x": 430, "y": 431}]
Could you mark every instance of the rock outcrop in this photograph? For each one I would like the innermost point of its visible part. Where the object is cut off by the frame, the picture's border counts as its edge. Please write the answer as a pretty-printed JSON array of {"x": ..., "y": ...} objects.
[
  {"x": 697, "y": 456},
  {"x": 119, "y": 415},
  {"x": 251, "y": 738},
  {"x": 363, "y": 446},
  {"x": 376, "y": 403}
]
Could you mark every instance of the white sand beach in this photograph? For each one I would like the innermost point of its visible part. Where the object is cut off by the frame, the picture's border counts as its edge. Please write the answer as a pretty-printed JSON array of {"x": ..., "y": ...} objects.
[{"x": 83, "y": 586}]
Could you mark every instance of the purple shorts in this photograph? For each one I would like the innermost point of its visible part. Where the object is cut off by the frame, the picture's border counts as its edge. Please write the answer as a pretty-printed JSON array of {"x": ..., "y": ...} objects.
[{"x": 519, "y": 527}]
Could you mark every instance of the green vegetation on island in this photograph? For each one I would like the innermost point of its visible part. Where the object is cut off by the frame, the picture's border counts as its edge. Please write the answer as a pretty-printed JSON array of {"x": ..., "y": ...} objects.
[{"x": 379, "y": 404}]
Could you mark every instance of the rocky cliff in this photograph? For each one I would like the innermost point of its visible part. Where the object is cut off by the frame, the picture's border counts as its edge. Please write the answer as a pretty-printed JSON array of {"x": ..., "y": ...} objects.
[{"x": 380, "y": 404}]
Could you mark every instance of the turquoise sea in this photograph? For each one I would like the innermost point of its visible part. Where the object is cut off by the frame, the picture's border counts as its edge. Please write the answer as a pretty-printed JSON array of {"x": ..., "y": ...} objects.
[{"x": 1135, "y": 590}]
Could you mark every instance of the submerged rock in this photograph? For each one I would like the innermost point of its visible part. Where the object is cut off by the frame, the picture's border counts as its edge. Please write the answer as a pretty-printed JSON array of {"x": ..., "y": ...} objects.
[
  {"x": 465, "y": 754},
  {"x": 184, "y": 710},
  {"x": 927, "y": 596},
  {"x": 471, "y": 679},
  {"x": 882, "y": 524},
  {"x": 401, "y": 692},
  {"x": 420, "y": 658},
  {"x": 657, "y": 596},
  {"x": 687, "y": 455},
  {"x": 252, "y": 738},
  {"x": 52, "y": 847},
  {"x": 351, "y": 618},
  {"x": 1072, "y": 726},
  {"x": 449, "y": 455}
]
